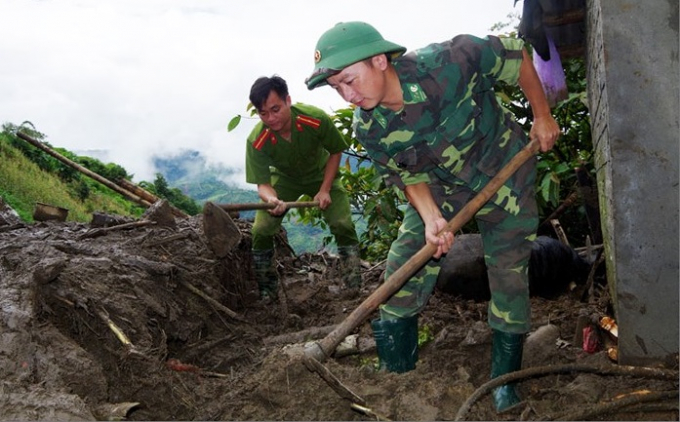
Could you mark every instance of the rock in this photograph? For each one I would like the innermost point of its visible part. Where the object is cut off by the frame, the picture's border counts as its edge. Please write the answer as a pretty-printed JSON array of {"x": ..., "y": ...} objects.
[
  {"x": 553, "y": 266},
  {"x": 540, "y": 345},
  {"x": 8, "y": 216}
]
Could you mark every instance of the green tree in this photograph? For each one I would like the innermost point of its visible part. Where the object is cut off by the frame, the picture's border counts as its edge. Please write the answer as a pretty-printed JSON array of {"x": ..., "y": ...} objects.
[
  {"x": 556, "y": 177},
  {"x": 161, "y": 186},
  {"x": 175, "y": 196}
]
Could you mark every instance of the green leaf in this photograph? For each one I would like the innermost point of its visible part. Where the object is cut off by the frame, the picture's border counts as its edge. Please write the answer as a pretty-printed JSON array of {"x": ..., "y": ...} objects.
[
  {"x": 545, "y": 187},
  {"x": 234, "y": 122}
]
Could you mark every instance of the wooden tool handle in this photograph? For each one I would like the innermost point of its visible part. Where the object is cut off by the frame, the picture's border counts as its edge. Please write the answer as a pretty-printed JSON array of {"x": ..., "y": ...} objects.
[{"x": 266, "y": 206}]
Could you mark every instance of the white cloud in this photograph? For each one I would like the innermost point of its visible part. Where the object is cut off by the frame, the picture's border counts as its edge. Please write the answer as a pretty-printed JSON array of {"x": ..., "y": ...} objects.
[{"x": 138, "y": 77}]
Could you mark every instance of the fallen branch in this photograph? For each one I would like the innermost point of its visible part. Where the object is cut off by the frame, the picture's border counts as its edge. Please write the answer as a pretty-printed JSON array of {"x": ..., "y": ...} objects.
[
  {"x": 168, "y": 239},
  {"x": 12, "y": 227},
  {"x": 636, "y": 371},
  {"x": 203, "y": 348},
  {"x": 102, "y": 231},
  {"x": 212, "y": 301},
  {"x": 376, "y": 265},
  {"x": 596, "y": 411},
  {"x": 568, "y": 202},
  {"x": 210, "y": 374},
  {"x": 344, "y": 392},
  {"x": 584, "y": 249}
]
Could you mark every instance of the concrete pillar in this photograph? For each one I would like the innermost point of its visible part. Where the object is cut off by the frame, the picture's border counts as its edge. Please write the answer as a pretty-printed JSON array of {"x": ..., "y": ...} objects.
[{"x": 633, "y": 94}]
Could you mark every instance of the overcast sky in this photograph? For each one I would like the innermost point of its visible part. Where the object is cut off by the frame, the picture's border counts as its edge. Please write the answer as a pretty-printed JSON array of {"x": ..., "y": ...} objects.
[{"x": 141, "y": 77}]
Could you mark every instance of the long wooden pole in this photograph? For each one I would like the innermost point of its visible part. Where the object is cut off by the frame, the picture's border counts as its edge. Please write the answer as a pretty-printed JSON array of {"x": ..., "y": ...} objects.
[
  {"x": 130, "y": 190},
  {"x": 83, "y": 170},
  {"x": 324, "y": 348},
  {"x": 137, "y": 190},
  {"x": 148, "y": 196}
]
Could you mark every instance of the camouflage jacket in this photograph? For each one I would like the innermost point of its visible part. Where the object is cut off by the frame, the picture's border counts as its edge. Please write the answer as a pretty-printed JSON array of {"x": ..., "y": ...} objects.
[{"x": 452, "y": 126}]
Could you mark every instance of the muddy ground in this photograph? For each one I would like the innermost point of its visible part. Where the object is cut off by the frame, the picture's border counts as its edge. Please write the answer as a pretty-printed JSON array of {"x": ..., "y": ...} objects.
[{"x": 147, "y": 323}]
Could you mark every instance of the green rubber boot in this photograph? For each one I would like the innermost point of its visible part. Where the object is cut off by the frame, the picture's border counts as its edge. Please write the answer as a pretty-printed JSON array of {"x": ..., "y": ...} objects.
[
  {"x": 506, "y": 357},
  {"x": 397, "y": 343},
  {"x": 265, "y": 273},
  {"x": 350, "y": 264}
]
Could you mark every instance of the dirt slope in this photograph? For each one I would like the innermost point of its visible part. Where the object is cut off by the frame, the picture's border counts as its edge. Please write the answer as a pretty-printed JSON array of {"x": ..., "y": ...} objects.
[{"x": 92, "y": 322}]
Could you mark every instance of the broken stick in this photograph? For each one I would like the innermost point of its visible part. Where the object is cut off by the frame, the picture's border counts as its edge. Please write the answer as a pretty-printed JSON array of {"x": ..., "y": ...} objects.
[
  {"x": 102, "y": 231},
  {"x": 344, "y": 392},
  {"x": 120, "y": 335},
  {"x": 369, "y": 412}
]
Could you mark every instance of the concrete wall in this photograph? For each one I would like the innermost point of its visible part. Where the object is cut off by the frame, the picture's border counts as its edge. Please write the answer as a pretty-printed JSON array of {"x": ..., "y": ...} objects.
[{"x": 633, "y": 94}]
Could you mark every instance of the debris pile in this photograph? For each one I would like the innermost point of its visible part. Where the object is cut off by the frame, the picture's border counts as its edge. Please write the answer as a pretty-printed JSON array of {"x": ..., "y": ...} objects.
[{"x": 142, "y": 320}]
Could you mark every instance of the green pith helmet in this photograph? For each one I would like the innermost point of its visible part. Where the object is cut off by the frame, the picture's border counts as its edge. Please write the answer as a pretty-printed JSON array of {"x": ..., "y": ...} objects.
[{"x": 345, "y": 44}]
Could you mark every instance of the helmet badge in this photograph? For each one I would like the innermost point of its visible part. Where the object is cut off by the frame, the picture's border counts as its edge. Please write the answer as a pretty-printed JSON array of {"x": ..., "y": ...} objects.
[{"x": 317, "y": 56}]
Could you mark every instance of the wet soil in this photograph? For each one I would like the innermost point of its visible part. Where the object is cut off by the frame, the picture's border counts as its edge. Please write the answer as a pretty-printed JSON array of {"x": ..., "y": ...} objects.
[{"x": 149, "y": 324}]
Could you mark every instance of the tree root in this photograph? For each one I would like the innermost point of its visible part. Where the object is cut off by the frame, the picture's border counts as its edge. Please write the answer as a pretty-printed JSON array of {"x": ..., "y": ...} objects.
[{"x": 634, "y": 371}]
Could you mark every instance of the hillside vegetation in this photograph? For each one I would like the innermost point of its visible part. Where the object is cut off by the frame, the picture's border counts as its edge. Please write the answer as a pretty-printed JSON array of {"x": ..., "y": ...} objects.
[
  {"x": 29, "y": 176},
  {"x": 23, "y": 183}
]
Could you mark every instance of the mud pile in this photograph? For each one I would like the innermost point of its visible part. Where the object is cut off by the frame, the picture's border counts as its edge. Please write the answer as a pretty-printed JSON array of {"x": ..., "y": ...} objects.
[{"x": 146, "y": 323}]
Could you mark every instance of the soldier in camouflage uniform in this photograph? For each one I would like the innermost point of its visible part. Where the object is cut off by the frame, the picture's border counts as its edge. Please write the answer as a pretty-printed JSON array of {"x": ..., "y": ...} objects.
[
  {"x": 432, "y": 125},
  {"x": 296, "y": 150}
]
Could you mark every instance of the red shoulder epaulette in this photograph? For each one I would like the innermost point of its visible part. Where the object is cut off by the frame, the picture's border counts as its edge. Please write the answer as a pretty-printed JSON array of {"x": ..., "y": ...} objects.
[
  {"x": 262, "y": 139},
  {"x": 301, "y": 119}
]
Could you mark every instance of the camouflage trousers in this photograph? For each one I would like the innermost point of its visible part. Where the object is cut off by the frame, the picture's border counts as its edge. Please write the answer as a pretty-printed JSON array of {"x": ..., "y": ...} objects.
[
  {"x": 338, "y": 215},
  {"x": 507, "y": 241}
]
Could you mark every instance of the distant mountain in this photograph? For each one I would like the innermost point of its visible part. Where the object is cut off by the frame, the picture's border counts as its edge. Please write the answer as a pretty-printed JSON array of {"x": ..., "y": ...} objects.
[{"x": 189, "y": 171}]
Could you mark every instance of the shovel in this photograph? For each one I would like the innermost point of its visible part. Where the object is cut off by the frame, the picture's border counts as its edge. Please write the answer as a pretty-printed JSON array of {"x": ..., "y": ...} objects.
[
  {"x": 222, "y": 233},
  {"x": 324, "y": 348}
]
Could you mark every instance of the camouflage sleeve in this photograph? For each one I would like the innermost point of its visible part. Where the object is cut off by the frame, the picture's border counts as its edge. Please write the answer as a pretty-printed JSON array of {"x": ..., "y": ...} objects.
[
  {"x": 398, "y": 167},
  {"x": 512, "y": 58},
  {"x": 469, "y": 57},
  {"x": 402, "y": 178}
]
